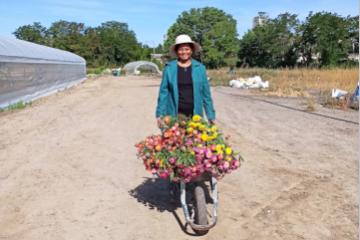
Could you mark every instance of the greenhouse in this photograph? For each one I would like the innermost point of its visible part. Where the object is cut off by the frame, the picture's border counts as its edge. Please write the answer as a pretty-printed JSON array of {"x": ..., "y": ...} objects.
[
  {"x": 141, "y": 67},
  {"x": 29, "y": 71}
]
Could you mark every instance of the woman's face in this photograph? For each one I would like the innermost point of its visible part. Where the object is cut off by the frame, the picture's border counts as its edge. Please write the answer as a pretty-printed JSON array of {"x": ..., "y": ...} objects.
[{"x": 184, "y": 51}]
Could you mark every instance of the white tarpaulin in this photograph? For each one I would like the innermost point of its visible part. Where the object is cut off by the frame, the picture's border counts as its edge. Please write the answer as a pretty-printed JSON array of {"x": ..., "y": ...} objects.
[
  {"x": 252, "y": 82},
  {"x": 338, "y": 93}
]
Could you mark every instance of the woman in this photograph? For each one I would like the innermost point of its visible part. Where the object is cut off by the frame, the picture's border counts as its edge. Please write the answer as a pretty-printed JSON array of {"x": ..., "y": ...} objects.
[{"x": 184, "y": 88}]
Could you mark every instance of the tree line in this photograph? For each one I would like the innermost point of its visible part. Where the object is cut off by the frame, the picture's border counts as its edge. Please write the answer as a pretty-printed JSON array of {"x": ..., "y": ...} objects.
[
  {"x": 110, "y": 44},
  {"x": 322, "y": 39}
]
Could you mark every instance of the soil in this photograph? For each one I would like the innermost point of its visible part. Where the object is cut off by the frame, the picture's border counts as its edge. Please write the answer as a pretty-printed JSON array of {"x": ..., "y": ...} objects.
[{"x": 68, "y": 168}]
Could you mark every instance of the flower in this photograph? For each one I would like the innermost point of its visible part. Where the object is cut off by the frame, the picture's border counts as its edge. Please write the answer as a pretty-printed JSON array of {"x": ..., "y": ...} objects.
[
  {"x": 213, "y": 128},
  {"x": 204, "y": 137},
  {"x": 202, "y": 127},
  {"x": 196, "y": 118},
  {"x": 228, "y": 151},
  {"x": 218, "y": 147},
  {"x": 185, "y": 149},
  {"x": 189, "y": 130}
]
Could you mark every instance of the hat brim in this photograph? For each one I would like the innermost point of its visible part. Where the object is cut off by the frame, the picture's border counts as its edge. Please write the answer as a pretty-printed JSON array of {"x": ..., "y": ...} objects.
[{"x": 196, "y": 48}]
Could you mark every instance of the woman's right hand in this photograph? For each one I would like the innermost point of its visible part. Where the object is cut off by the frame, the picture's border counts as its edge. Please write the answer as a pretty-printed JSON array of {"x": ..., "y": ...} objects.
[{"x": 159, "y": 121}]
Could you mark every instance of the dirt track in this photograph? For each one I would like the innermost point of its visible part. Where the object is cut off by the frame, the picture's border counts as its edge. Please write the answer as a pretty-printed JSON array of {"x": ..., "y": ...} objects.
[{"x": 68, "y": 168}]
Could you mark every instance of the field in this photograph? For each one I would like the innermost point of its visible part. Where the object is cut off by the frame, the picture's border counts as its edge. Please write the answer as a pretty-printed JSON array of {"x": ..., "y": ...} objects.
[
  {"x": 68, "y": 168},
  {"x": 312, "y": 84}
]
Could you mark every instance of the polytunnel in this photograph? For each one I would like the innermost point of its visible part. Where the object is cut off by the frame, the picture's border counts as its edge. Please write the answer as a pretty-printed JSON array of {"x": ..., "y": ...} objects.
[
  {"x": 141, "y": 66},
  {"x": 29, "y": 71}
]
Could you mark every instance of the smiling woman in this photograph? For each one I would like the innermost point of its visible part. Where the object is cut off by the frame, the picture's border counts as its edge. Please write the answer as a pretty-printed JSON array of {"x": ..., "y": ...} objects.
[{"x": 184, "y": 87}]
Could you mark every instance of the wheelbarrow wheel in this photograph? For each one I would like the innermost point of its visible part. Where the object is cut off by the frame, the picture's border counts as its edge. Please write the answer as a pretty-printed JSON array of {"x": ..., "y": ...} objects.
[{"x": 200, "y": 209}]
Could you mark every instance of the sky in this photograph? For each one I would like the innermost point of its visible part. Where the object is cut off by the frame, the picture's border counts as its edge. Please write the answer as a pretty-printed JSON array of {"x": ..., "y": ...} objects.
[{"x": 150, "y": 19}]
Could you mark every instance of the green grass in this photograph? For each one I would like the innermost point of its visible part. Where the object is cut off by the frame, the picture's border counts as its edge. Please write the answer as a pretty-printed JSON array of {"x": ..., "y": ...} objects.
[{"x": 16, "y": 106}]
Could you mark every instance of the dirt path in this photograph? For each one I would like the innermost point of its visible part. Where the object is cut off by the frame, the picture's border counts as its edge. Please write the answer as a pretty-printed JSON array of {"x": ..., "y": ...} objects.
[{"x": 68, "y": 168}]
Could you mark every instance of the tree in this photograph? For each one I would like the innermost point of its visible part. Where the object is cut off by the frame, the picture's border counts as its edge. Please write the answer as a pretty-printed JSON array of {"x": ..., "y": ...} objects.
[
  {"x": 90, "y": 47},
  {"x": 35, "y": 33},
  {"x": 213, "y": 29},
  {"x": 118, "y": 44},
  {"x": 324, "y": 39},
  {"x": 271, "y": 44},
  {"x": 66, "y": 35},
  {"x": 353, "y": 30}
]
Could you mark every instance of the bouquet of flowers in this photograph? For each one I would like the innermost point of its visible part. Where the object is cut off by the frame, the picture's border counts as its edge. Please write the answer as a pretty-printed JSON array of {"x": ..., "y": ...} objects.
[{"x": 186, "y": 148}]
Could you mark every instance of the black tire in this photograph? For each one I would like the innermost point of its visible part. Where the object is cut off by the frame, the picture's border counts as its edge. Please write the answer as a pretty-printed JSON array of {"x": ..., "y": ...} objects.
[{"x": 200, "y": 209}]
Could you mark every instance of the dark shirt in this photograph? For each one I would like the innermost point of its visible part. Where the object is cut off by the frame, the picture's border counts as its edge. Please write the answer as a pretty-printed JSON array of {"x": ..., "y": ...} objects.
[{"x": 186, "y": 95}]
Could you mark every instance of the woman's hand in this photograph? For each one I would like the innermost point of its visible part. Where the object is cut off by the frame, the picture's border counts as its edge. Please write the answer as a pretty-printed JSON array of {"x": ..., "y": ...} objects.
[{"x": 159, "y": 121}]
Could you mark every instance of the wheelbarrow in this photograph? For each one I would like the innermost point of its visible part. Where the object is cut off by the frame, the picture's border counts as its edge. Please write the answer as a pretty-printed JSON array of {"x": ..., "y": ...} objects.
[{"x": 193, "y": 202}]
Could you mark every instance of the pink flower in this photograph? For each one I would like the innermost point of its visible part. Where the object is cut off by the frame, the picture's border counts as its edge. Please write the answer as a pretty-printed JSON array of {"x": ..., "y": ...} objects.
[
  {"x": 172, "y": 160},
  {"x": 226, "y": 165},
  {"x": 164, "y": 175},
  {"x": 208, "y": 153},
  {"x": 187, "y": 171}
]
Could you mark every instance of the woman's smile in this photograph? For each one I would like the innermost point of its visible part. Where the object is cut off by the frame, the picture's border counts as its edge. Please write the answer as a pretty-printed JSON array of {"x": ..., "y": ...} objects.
[{"x": 184, "y": 52}]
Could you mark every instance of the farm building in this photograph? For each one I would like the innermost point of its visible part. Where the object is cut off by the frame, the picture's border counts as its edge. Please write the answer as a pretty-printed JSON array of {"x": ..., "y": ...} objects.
[{"x": 29, "y": 71}]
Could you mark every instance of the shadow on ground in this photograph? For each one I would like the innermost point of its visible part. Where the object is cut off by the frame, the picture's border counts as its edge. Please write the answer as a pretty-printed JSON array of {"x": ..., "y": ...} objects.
[{"x": 155, "y": 194}]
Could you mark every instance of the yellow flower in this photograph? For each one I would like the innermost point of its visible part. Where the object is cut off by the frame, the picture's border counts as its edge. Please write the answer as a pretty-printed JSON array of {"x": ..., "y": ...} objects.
[
  {"x": 204, "y": 137},
  {"x": 192, "y": 153},
  {"x": 218, "y": 148},
  {"x": 202, "y": 127},
  {"x": 213, "y": 128},
  {"x": 228, "y": 151},
  {"x": 189, "y": 130},
  {"x": 219, "y": 151},
  {"x": 199, "y": 145},
  {"x": 215, "y": 135},
  {"x": 196, "y": 118}
]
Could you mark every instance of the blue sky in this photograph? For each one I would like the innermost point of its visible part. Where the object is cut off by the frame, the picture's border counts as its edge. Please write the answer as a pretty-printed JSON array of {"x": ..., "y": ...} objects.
[{"x": 150, "y": 19}]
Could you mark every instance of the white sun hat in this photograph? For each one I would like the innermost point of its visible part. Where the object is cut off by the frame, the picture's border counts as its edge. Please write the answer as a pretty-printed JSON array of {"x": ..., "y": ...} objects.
[{"x": 183, "y": 38}]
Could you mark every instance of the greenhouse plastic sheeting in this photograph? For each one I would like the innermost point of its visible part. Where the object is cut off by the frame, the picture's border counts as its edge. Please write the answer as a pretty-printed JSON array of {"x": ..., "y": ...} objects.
[
  {"x": 136, "y": 67},
  {"x": 29, "y": 71}
]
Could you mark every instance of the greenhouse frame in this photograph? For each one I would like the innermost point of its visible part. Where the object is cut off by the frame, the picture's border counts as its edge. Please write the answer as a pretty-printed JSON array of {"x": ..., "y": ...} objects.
[
  {"x": 29, "y": 71},
  {"x": 136, "y": 67}
]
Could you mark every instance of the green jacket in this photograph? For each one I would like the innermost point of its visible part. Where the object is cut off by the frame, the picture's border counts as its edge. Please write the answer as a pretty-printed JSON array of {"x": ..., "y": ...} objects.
[{"x": 168, "y": 100}]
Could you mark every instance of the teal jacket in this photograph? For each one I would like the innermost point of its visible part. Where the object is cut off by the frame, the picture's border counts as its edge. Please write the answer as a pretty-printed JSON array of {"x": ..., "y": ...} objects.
[{"x": 168, "y": 99}]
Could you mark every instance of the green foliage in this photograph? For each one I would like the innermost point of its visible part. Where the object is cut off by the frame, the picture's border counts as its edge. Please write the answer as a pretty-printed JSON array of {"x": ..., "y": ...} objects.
[
  {"x": 323, "y": 39},
  {"x": 328, "y": 37},
  {"x": 110, "y": 44},
  {"x": 272, "y": 44},
  {"x": 35, "y": 33},
  {"x": 213, "y": 29},
  {"x": 118, "y": 44}
]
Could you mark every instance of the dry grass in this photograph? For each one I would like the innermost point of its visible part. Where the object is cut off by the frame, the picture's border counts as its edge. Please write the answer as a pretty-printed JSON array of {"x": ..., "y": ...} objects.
[{"x": 299, "y": 82}]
